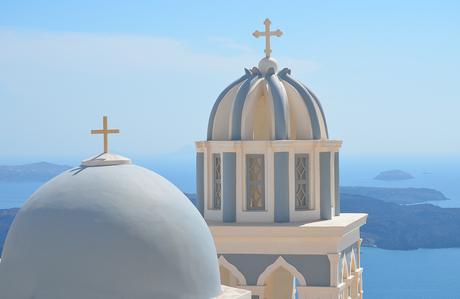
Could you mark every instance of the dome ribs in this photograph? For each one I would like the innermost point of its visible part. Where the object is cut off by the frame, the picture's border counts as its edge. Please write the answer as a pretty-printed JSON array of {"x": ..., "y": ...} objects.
[{"x": 308, "y": 100}]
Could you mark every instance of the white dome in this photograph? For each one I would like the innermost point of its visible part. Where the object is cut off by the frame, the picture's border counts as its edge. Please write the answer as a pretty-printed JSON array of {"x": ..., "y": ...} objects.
[
  {"x": 109, "y": 232},
  {"x": 265, "y": 104}
]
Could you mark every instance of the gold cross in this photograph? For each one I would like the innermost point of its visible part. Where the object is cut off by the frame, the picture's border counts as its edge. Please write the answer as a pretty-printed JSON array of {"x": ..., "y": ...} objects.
[
  {"x": 267, "y": 34},
  {"x": 106, "y": 133}
]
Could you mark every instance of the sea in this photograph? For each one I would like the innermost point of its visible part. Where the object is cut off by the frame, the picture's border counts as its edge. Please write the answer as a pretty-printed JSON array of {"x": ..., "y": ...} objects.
[{"x": 388, "y": 274}]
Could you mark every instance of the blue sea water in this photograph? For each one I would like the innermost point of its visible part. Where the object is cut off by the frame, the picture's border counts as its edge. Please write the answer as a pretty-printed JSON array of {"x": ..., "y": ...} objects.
[
  {"x": 414, "y": 274},
  {"x": 13, "y": 195}
]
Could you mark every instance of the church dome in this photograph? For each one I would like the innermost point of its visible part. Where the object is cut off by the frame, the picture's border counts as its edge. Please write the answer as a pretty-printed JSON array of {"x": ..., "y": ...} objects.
[
  {"x": 118, "y": 231},
  {"x": 265, "y": 104}
]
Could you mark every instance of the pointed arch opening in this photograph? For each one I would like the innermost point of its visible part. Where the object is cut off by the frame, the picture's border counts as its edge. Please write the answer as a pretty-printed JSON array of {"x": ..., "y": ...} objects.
[
  {"x": 229, "y": 274},
  {"x": 280, "y": 279},
  {"x": 344, "y": 269},
  {"x": 353, "y": 262}
]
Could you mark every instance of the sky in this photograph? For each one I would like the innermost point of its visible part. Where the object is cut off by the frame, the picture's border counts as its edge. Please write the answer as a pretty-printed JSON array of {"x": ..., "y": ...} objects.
[{"x": 386, "y": 72}]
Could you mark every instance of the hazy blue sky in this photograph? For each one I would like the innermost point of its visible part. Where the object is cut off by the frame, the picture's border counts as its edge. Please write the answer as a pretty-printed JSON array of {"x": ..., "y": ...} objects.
[{"x": 386, "y": 73}]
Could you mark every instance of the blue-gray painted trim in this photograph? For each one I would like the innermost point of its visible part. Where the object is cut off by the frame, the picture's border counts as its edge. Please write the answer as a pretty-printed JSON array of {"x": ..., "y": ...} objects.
[
  {"x": 229, "y": 187},
  {"x": 281, "y": 160},
  {"x": 219, "y": 99},
  {"x": 337, "y": 183},
  {"x": 325, "y": 185},
  {"x": 200, "y": 182},
  {"x": 307, "y": 98},
  {"x": 314, "y": 268},
  {"x": 237, "y": 113},
  {"x": 279, "y": 98},
  {"x": 320, "y": 108}
]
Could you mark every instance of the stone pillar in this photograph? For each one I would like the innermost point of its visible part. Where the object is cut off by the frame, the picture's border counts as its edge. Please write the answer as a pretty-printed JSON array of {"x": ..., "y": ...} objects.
[
  {"x": 358, "y": 266},
  {"x": 334, "y": 268},
  {"x": 200, "y": 182}
]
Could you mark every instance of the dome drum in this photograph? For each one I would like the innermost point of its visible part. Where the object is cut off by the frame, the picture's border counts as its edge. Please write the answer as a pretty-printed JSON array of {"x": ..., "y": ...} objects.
[{"x": 268, "y": 181}]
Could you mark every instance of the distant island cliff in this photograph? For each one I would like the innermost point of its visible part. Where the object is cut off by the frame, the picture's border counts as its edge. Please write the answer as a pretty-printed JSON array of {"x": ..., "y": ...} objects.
[
  {"x": 396, "y": 195},
  {"x": 393, "y": 175},
  {"x": 34, "y": 172},
  {"x": 402, "y": 227},
  {"x": 390, "y": 225}
]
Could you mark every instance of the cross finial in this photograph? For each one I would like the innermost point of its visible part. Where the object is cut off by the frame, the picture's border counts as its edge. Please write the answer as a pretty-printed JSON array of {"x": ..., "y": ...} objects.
[
  {"x": 267, "y": 33},
  {"x": 105, "y": 131}
]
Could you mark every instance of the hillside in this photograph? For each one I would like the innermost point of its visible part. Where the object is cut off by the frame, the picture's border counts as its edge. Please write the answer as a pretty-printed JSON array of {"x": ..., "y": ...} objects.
[
  {"x": 35, "y": 172},
  {"x": 389, "y": 225},
  {"x": 393, "y": 226},
  {"x": 396, "y": 195}
]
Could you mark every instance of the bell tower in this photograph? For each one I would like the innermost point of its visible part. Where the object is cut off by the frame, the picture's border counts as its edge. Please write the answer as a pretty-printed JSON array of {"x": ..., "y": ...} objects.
[{"x": 268, "y": 187}]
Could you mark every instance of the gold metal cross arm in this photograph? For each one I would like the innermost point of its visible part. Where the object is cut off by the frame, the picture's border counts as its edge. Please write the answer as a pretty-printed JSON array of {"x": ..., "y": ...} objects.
[
  {"x": 268, "y": 34},
  {"x": 105, "y": 131}
]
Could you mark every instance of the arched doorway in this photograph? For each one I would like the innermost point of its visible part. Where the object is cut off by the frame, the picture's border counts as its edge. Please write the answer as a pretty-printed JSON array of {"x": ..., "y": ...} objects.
[
  {"x": 229, "y": 274},
  {"x": 280, "y": 279},
  {"x": 280, "y": 284}
]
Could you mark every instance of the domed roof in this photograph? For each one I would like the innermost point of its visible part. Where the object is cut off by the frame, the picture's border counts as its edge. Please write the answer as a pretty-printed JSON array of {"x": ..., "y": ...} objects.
[
  {"x": 265, "y": 104},
  {"x": 118, "y": 231}
]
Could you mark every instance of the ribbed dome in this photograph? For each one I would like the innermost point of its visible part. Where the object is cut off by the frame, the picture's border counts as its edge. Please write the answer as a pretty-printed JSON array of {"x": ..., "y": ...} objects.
[
  {"x": 267, "y": 105},
  {"x": 109, "y": 232}
]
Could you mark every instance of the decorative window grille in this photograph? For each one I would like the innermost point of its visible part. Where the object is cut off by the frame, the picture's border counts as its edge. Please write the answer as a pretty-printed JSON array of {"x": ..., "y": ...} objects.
[
  {"x": 255, "y": 182},
  {"x": 302, "y": 192},
  {"x": 217, "y": 182}
]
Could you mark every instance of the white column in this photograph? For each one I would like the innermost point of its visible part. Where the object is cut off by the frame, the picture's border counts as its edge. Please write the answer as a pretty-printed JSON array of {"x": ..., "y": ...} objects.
[
  {"x": 334, "y": 268},
  {"x": 359, "y": 253}
]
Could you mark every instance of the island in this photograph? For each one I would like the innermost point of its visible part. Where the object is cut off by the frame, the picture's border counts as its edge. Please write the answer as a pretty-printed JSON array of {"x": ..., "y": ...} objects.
[
  {"x": 404, "y": 227},
  {"x": 396, "y": 195},
  {"x": 389, "y": 225},
  {"x": 34, "y": 172},
  {"x": 393, "y": 175}
]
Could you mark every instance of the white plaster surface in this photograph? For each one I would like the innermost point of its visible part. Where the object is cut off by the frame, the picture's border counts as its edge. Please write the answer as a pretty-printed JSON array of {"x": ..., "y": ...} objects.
[
  {"x": 233, "y": 293},
  {"x": 105, "y": 159},
  {"x": 109, "y": 232}
]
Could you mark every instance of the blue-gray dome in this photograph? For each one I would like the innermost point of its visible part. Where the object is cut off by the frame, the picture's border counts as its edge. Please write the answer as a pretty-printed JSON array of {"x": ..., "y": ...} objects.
[
  {"x": 109, "y": 232},
  {"x": 267, "y": 105}
]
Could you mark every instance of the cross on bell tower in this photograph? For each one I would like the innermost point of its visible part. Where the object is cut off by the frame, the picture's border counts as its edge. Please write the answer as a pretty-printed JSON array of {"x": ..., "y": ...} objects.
[
  {"x": 105, "y": 131},
  {"x": 267, "y": 33}
]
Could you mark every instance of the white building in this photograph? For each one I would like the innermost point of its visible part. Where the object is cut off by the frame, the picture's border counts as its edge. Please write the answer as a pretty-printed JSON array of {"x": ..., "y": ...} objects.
[
  {"x": 110, "y": 230},
  {"x": 268, "y": 187}
]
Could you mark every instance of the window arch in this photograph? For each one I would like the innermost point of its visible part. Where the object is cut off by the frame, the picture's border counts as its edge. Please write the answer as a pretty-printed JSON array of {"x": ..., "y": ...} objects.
[
  {"x": 352, "y": 261},
  {"x": 232, "y": 269},
  {"x": 281, "y": 263}
]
